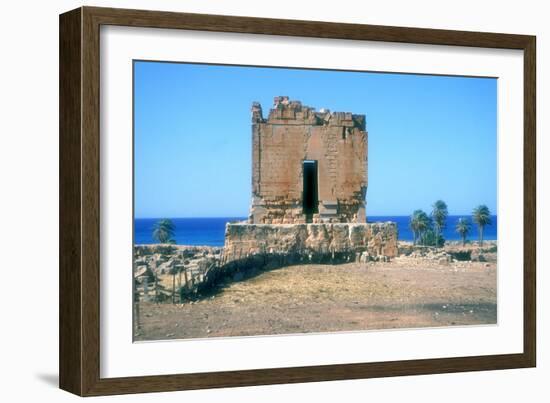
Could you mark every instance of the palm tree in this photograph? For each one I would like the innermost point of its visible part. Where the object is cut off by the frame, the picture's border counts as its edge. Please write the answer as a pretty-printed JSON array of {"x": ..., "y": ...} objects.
[
  {"x": 439, "y": 217},
  {"x": 425, "y": 225},
  {"x": 419, "y": 223},
  {"x": 414, "y": 224},
  {"x": 482, "y": 217},
  {"x": 463, "y": 227},
  {"x": 163, "y": 231}
]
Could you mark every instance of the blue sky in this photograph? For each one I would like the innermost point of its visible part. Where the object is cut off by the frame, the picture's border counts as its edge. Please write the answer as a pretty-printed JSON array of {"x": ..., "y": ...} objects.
[{"x": 430, "y": 137}]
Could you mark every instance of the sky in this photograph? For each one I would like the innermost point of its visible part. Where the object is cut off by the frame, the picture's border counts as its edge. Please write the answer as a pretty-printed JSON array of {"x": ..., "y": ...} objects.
[{"x": 430, "y": 137}]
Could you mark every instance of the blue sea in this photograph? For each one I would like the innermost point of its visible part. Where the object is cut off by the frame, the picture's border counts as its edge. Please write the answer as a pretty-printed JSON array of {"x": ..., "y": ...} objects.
[{"x": 211, "y": 231}]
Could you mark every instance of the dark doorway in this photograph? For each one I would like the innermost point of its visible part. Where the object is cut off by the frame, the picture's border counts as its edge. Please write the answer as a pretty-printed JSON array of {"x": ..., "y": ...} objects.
[{"x": 310, "y": 195}]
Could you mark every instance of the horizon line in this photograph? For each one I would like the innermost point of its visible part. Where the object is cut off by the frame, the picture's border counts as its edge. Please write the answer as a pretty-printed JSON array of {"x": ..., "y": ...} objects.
[{"x": 237, "y": 216}]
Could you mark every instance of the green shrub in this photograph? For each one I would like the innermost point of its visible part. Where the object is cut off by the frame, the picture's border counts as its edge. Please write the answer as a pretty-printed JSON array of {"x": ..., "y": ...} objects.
[
  {"x": 463, "y": 256},
  {"x": 428, "y": 238}
]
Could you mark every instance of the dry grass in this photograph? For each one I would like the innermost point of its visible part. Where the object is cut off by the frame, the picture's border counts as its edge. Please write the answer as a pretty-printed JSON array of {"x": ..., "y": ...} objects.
[{"x": 318, "y": 298}]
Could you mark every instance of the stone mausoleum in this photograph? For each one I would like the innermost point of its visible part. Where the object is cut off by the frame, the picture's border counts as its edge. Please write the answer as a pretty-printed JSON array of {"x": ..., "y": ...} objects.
[
  {"x": 307, "y": 166},
  {"x": 309, "y": 185}
]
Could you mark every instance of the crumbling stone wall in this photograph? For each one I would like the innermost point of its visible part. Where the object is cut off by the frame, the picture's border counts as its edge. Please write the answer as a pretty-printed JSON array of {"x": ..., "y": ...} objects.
[
  {"x": 293, "y": 133},
  {"x": 314, "y": 242}
]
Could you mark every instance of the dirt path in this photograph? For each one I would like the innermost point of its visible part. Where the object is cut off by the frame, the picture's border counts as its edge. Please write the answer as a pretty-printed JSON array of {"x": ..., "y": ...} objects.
[{"x": 323, "y": 298}]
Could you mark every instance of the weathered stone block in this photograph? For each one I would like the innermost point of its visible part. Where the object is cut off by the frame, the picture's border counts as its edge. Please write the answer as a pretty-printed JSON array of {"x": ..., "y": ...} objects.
[
  {"x": 324, "y": 241},
  {"x": 293, "y": 133}
]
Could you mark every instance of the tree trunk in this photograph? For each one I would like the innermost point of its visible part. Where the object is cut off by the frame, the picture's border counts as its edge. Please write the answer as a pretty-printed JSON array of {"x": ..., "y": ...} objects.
[{"x": 481, "y": 234}]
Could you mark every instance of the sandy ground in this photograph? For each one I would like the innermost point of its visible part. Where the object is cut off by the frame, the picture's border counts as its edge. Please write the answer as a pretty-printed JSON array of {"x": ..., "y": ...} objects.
[{"x": 404, "y": 293}]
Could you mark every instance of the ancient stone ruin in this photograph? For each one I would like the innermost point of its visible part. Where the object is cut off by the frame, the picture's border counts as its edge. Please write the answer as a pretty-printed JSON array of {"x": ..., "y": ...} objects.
[
  {"x": 307, "y": 166},
  {"x": 309, "y": 184}
]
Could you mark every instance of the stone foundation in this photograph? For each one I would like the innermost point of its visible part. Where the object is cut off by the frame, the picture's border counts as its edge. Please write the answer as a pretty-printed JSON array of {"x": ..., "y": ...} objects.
[
  {"x": 311, "y": 242},
  {"x": 250, "y": 248}
]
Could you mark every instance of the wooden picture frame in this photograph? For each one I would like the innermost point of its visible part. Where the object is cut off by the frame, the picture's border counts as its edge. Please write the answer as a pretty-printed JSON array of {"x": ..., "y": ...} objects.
[{"x": 79, "y": 347}]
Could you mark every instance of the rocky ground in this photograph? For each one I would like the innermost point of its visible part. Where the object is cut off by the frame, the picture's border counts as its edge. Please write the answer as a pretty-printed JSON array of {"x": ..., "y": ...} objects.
[{"x": 422, "y": 287}]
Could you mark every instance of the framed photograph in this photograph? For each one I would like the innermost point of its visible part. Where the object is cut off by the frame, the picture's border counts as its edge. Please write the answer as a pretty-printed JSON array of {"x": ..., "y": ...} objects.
[{"x": 249, "y": 201}]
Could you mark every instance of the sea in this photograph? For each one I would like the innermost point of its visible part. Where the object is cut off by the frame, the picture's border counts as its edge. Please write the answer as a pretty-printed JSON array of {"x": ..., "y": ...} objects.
[{"x": 210, "y": 231}]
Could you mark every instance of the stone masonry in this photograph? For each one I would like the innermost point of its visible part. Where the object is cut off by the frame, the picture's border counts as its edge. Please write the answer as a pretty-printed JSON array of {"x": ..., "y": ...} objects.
[
  {"x": 309, "y": 183},
  {"x": 293, "y": 133},
  {"x": 313, "y": 242}
]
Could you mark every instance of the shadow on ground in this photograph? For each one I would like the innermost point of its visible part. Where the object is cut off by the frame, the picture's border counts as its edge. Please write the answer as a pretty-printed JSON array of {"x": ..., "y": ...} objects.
[{"x": 49, "y": 379}]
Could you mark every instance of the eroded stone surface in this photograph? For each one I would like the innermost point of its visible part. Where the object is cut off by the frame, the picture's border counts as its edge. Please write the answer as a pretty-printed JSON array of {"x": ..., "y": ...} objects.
[
  {"x": 351, "y": 241},
  {"x": 293, "y": 133}
]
